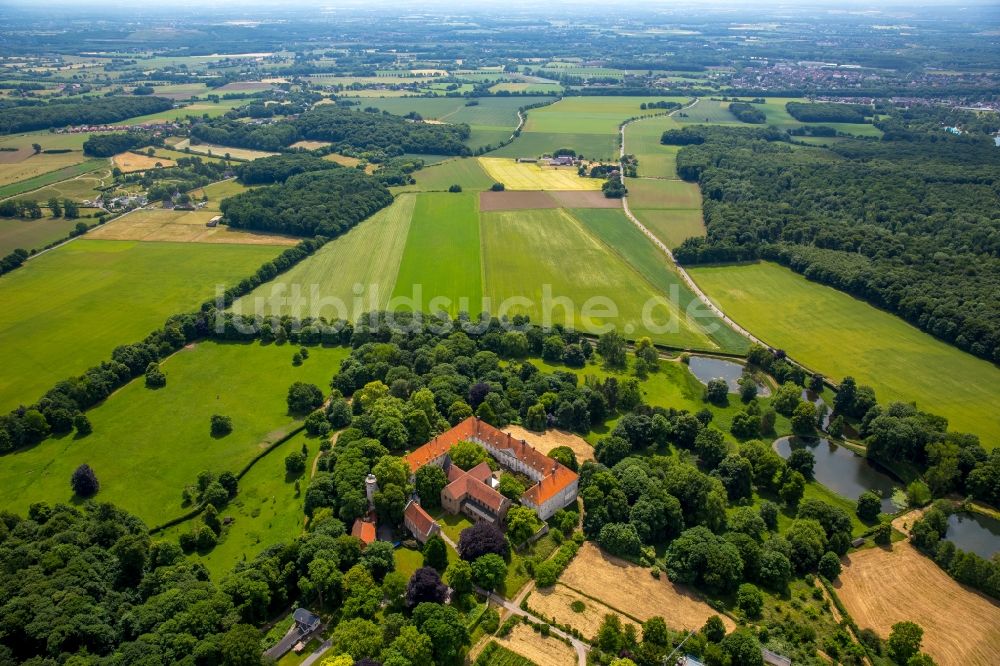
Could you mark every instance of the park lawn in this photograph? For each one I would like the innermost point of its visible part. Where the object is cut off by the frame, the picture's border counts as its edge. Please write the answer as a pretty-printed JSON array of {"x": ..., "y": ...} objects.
[
  {"x": 837, "y": 335},
  {"x": 624, "y": 238},
  {"x": 525, "y": 257},
  {"x": 532, "y": 176},
  {"x": 267, "y": 510},
  {"x": 647, "y": 193},
  {"x": 144, "y": 454},
  {"x": 41, "y": 180},
  {"x": 464, "y": 171},
  {"x": 352, "y": 274},
  {"x": 33, "y": 234},
  {"x": 672, "y": 225},
  {"x": 65, "y": 311},
  {"x": 452, "y": 524},
  {"x": 441, "y": 266}
]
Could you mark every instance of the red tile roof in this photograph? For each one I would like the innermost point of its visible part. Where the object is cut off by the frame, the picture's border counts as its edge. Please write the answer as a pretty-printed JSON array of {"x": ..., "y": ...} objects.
[
  {"x": 470, "y": 486},
  {"x": 363, "y": 530},
  {"x": 417, "y": 519},
  {"x": 555, "y": 476}
]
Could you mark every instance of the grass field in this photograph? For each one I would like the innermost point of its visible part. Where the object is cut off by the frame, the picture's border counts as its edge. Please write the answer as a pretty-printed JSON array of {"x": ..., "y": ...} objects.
[
  {"x": 267, "y": 510},
  {"x": 211, "y": 109},
  {"x": 32, "y": 234},
  {"x": 442, "y": 256},
  {"x": 60, "y": 174},
  {"x": 213, "y": 150},
  {"x": 656, "y": 193},
  {"x": 880, "y": 587},
  {"x": 642, "y": 139},
  {"x": 529, "y": 176},
  {"x": 672, "y": 226},
  {"x": 808, "y": 320},
  {"x": 624, "y": 239},
  {"x": 538, "y": 649},
  {"x": 367, "y": 255},
  {"x": 216, "y": 192},
  {"x": 137, "y": 431},
  {"x": 467, "y": 172},
  {"x": 84, "y": 187},
  {"x": 555, "y": 603},
  {"x": 66, "y": 310},
  {"x": 715, "y": 112},
  {"x": 36, "y": 165},
  {"x": 169, "y": 154},
  {"x": 182, "y": 226}
]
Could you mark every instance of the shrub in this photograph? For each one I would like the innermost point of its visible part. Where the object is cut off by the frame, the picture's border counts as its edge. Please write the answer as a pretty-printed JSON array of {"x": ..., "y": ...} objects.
[
  {"x": 84, "y": 481},
  {"x": 455, "y": 188},
  {"x": 154, "y": 376},
  {"x": 221, "y": 425},
  {"x": 295, "y": 463}
]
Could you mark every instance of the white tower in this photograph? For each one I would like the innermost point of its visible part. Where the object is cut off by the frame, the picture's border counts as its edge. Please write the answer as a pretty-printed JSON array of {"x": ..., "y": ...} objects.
[{"x": 371, "y": 487}]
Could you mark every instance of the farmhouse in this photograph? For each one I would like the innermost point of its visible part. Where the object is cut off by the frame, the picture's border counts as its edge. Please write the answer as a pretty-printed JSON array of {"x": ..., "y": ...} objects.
[{"x": 471, "y": 492}]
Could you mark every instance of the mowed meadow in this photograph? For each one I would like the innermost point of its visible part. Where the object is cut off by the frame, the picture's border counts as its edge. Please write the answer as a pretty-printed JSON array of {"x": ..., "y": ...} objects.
[{"x": 837, "y": 335}]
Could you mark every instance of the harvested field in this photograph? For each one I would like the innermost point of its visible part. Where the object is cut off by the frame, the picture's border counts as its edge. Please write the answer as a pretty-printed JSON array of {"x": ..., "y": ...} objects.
[
  {"x": 310, "y": 145},
  {"x": 342, "y": 160},
  {"x": 36, "y": 165},
  {"x": 515, "y": 200},
  {"x": 15, "y": 156},
  {"x": 213, "y": 150},
  {"x": 181, "y": 226},
  {"x": 551, "y": 439},
  {"x": 628, "y": 587},
  {"x": 880, "y": 587},
  {"x": 533, "y": 176},
  {"x": 584, "y": 199},
  {"x": 132, "y": 162},
  {"x": 543, "y": 651},
  {"x": 554, "y": 604}
]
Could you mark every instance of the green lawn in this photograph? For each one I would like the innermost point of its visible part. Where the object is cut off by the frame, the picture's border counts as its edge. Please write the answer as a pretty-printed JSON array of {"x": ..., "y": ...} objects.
[
  {"x": 147, "y": 445},
  {"x": 266, "y": 511},
  {"x": 66, "y": 310},
  {"x": 408, "y": 560},
  {"x": 440, "y": 269},
  {"x": 624, "y": 238},
  {"x": 368, "y": 255},
  {"x": 838, "y": 335}
]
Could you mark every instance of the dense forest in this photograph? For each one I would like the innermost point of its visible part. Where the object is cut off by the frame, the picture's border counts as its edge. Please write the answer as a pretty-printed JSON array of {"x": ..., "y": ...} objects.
[
  {"x": 826, "y": 112},
  {"x": 106, "y": 145},
  {"x": 325, "y": 203},
  {"x": 910, "y": 224},
  {"x": 96, "y": 111},
  {"x": 278, "y": 168},
  {"x": 745, "y": 112}
]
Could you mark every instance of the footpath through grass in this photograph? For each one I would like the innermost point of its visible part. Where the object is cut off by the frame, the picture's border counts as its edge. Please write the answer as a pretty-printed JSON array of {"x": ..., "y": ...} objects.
[
  {"x": 839, "y": 335},
  {"x": 147, "y": 444},
  {"x": 66, "y": 310}
]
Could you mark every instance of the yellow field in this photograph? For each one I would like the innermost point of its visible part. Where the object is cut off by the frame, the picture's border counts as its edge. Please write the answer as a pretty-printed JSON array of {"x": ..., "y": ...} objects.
[
  {"x": 550, "y": 439},
  {"x": 180, "y": 226},
  {"x": 222, "y": 151},
  {"x": 880, "y": 587},
  {"x": 628, "y": 587},
  {"x": 543, "y": 651},
  {"x": 555, "y": 604},
  {"x": 36, "y": 165},
  {"x": 131, "y": 162},
  {"x": 310, "y": 145},
  {"x": 527, "y": 176}
]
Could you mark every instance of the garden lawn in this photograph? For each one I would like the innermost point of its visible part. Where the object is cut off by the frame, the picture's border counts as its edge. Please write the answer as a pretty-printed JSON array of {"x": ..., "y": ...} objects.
[
  {"x": 838, "y": 335},
  {"x": 66, "y": 310},
  {"x": 147, "y": 444},
  {"x": 440, "y": 269},
  {"x": 624, "y": 238}
]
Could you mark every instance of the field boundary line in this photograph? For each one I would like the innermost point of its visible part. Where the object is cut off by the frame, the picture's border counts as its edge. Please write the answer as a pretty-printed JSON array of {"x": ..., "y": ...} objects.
[{"x": 602, "y": 602}]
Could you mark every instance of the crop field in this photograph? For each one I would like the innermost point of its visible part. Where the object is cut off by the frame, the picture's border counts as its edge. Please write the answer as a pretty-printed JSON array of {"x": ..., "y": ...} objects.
[
  {"x": 527, "y": 87},
  {"x": 808, "y": 319},
  {"x": 222, "y": 151},
  {"x": 130, "y": 162},
  {"x": 212, "y": 109},
  {"x": 880, "y": 587},
  {"x": 624, "y": 586},
  {"x": 778, "y": 115},
  {"x": 555, "y": 603},
  {"x": 66, "y": 310},
  {"x": 181, "y": 226},
  {"x": 50, "y": 178},
  {"x": 181, "y": 90},
  {"x": 84, "y": 187},
  {"x": 137, "y": 430},
  {"x": 624, "y": 239},
  {"x": 267, "y": 510},
  {"x": 544, "y": 651},
  {"x": 442, "y": 256},
  {"x": 464, "y": 171},
  {"x": 658, "y": 193},
  {"x": 36, "y": 165},
  {"x": 310, "y": 145},
  {"x": 368, "y": 255},
  {"x": 672, "y": 227},
  {"x": 47, "y": 140},
  {"x": 642, "y": 139},
  {"x": 32, "y": 234},
  {"x": 530, "y": 176}
]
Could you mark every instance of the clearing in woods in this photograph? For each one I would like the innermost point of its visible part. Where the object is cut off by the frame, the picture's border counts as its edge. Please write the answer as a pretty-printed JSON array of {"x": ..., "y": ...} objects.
[
  {"x": 131, "y": 162},
  {"x": 534, "y": 176},
  {"x": 550, "y": 439},
  {"x": 880, "y": 587},
  {"x": 543, "y": 651},
  {"x": 629, "y": 587},
  {"x": 367, "y": 255},
  {"x": 808, "y": 319},
  {"x": 182, "y": 226},
  {"x": 136, "y": 430},
  {"x": 66, "y": 310},
  {"x": 441, "y": 266},
  {"x": 555, "y": 603}
]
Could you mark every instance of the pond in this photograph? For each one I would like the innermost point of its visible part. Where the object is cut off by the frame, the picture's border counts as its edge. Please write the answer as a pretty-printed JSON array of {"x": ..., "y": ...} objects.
[
  {"x": 975, "y": 533},
  {"x": 843, "y": 471},
  {"x": 706, "y": 368}
]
